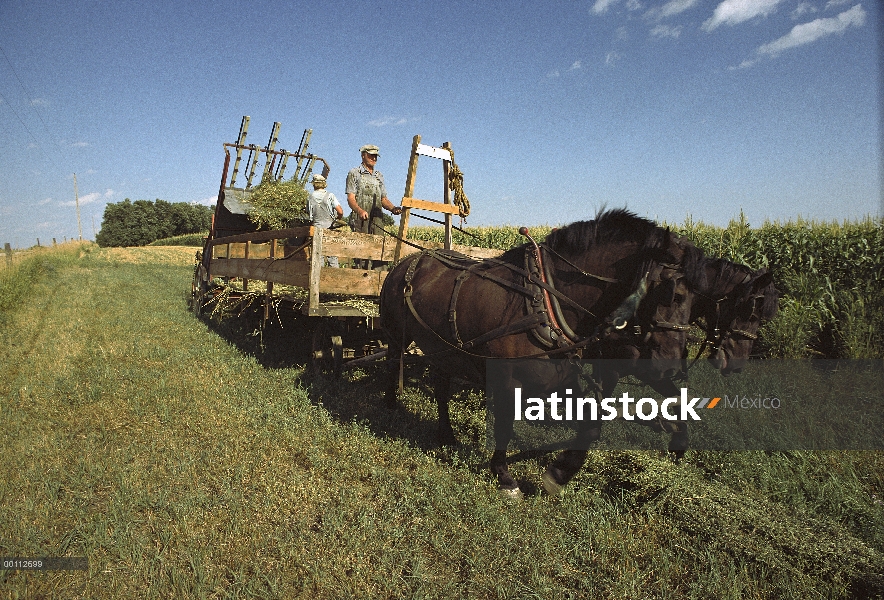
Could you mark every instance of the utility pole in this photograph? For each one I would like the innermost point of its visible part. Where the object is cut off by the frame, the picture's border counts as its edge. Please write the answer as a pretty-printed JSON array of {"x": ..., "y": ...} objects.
[{"x": 77, "y": 200}]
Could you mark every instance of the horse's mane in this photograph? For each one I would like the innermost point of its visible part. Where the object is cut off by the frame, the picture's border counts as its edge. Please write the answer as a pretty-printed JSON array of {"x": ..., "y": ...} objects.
[
  {"x": 616, "y": 225},
  {"x": 621, "y": 225}
]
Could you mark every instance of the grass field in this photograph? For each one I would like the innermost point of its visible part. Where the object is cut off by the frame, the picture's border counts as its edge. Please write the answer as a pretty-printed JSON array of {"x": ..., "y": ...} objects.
[{"x": 186, "y": 462}]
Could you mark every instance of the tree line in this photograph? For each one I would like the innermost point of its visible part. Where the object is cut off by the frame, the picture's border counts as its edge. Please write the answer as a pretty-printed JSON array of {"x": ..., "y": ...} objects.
[{"x": 141, "y": 222}]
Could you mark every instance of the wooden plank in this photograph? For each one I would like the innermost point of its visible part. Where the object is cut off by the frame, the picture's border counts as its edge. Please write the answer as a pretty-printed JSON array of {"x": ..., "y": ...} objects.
[
  {"x": 412, "y": 166},
  {"x": 450, "y": 209},
  {"x": 446, "y": 198},
  {"x": 348, "y": 244},
  {"x": 409, "y": 190},
  {"x": 401, "y": 247},
  {"x": 471, "y": 251},
  {"x": 316, "y": 260},
  {"x": 264, "y": 236},
  {"x": 442, "y": 152},
  {"x": 476, "y": 252},
  {"x": 238, "y": 250},
  {"x": 286, "y": 272},
  {"x": 357, "y": 282},
  {"x": 268, "y": 294},
  {"x": 245, "y": 281},
  {"x": 335, "y": 310}
]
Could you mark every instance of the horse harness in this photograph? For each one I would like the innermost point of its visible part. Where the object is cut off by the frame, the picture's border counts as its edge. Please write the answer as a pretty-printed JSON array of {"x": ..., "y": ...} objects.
[
  {"x": 716, "y": 336},
  {"x": 544, "y": 319}
]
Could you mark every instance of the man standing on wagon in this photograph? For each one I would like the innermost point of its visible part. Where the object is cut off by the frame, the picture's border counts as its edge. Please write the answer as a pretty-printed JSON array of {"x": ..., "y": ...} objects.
[
  {"x": 367, "y": 195},
  {"x": 322, "y": 209}
]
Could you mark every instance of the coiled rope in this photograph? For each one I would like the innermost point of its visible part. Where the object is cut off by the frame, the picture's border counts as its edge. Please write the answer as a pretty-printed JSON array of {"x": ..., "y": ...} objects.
[{"x": 455, "y": 184}]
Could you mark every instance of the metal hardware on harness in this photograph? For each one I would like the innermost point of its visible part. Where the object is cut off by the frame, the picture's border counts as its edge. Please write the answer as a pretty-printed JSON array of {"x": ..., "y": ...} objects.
[
  {"x": 554, "y": 334},
  {"x": 714, "y": 335}
]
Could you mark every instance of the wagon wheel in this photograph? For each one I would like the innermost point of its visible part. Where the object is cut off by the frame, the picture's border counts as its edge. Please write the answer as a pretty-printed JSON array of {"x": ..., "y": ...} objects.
[
  {"x": 328, "y": 349},
  {"x": 198, "y": 288}
]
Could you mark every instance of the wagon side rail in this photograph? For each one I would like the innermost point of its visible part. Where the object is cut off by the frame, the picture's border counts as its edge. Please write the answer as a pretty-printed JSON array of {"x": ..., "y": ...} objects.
[{"x": 296, "y": 256}]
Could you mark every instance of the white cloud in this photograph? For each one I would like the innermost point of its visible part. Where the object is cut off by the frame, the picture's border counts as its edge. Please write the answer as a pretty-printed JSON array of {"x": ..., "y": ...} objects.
[
  {"x": 802, "y": 9},
  {"x": 44, "y": 201},
  {"x": 743, "y": 65},
  {"x": 835, "y": 3},
  {"x": 602, "y": 6},
  {"x": 575, "y": 65},
  {"x": 662, "y": 31},
  {"x": 670, "y": 9},
  {"x": 806, "y": 33},
  {"x": 39, "y": 102},
  {"x": 733, "y": 12},
  {"x": 552, "y": 74},
  {"x": 79, "y": 144},
  {"x": 384, "y": 121},
  {"x": 207, "y": 201},
  {"x": 90, "y": 198},
  {"x": 611, "y": 57}
]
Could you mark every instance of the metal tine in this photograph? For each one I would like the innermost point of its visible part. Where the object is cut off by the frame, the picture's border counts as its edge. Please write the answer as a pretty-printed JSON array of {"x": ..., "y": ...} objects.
[
  {"x": 302, "y": 152},
  {"x": 281, "y": 168},
  {"x": 274, "y": 136},
  {"x": 243, "y": 130}
]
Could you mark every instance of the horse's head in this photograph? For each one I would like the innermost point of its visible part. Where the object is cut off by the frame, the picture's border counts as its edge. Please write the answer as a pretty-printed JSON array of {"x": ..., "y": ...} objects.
[
  {"x": 662, "y": 319},
  {"x": 737, "y": 302},
  {"x": 648, "y": 330},
  {"x": 646, "y": 304}
]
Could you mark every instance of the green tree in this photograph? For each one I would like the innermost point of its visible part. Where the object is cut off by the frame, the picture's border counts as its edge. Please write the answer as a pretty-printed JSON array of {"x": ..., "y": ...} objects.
[{"x": 141, "y": 222}]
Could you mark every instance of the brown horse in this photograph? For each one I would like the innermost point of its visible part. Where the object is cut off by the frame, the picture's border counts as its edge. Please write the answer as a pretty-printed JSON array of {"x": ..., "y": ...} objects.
[{"x": 587, "y": 281}]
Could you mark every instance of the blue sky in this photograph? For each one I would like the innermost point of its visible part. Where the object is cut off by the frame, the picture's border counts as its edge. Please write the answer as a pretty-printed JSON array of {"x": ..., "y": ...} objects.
[{"x": 554, "y": 109}]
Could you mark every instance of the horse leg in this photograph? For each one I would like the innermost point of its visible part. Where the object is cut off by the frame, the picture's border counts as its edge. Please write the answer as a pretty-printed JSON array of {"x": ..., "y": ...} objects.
[
  {"x": 570, "y": 461},
  {"x": 502, "y": 407},
  {"x": 391, "y": 395},
  {"x": 442, "y": 391},
  {"x": 680, "y": 440}
]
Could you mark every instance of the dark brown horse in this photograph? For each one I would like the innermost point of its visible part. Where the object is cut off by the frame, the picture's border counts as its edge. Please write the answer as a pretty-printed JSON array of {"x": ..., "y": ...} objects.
[
  {"x": 587, "y": 281},
  {"x": 733, "y": 305}
]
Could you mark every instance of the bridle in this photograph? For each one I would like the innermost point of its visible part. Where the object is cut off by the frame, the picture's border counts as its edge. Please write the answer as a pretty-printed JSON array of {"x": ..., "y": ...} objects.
[{"x": 716, "y": 336}]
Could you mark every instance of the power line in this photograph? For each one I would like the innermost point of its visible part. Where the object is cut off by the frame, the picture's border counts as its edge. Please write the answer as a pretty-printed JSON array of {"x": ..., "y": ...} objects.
[
  {"x": 6, "y": 102},
  {"x": 28, "y": 95},
  {"x": 36, "y": 141}
]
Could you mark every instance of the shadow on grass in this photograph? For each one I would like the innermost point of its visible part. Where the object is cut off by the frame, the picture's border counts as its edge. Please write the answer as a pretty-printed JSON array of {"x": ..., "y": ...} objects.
[
  {"x": 283, "y": 342},
  {"x": 358, "y": 395}
]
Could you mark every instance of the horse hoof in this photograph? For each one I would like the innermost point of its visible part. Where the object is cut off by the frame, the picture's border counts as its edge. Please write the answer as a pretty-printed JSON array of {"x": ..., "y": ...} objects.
[
  {"x": 513, "y": 495},
  {"x": 552, "y": 487},
  {"x": 447, "y": 441}
]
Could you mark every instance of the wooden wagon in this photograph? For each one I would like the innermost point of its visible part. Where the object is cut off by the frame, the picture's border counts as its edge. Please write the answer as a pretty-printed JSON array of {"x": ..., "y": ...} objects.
[{"x": 237, "y": 255}]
